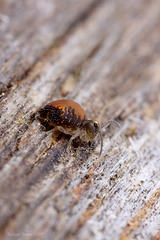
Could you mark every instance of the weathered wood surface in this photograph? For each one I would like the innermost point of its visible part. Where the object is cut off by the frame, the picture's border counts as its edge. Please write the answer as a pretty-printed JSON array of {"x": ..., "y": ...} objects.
[{"x": 105, "y": 56}]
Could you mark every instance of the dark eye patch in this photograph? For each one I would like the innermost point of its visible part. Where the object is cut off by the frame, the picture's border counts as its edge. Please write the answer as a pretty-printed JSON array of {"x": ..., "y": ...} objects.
[{"x": 96, "y": 125}]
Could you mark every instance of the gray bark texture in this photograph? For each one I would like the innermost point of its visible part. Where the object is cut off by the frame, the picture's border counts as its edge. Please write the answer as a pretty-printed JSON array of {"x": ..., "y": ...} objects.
[{"x": 105, "y": 55}]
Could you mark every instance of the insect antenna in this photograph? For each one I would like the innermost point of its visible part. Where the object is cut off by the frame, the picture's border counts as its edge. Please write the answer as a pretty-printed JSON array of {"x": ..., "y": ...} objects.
[
  {"x": 101, "y": 140},
  {"x": 106, "y": 124},
  {"x": 100, "y": 134}
]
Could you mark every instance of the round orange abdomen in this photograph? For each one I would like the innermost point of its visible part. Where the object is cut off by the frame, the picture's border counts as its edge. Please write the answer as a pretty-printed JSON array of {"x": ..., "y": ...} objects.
[
  {"x": 63, "y": 112},
  {"x": 66, "y": 104}
]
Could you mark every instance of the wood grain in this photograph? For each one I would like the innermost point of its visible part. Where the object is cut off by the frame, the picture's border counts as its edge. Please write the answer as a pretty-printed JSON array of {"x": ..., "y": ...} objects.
[{"x": 105, "y": 56}]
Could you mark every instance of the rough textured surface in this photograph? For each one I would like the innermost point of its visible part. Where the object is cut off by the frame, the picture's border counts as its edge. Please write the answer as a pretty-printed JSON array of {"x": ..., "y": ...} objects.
[{"x": 105, "y": 56}]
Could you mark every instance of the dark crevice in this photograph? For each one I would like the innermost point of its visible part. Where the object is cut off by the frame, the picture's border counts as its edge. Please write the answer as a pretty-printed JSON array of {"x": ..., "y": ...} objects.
[{"x": 13, "y": 146}]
